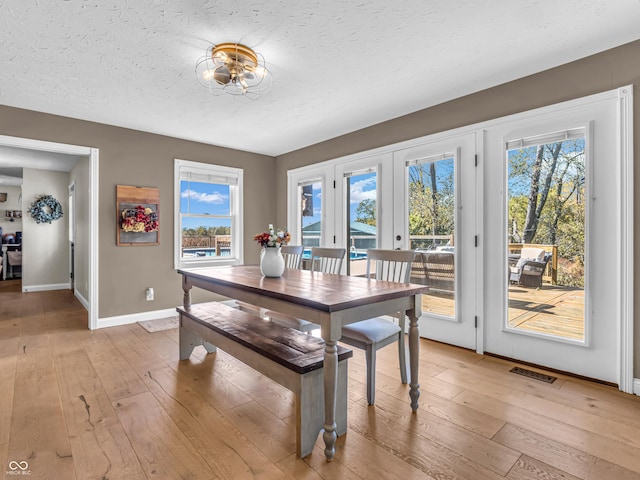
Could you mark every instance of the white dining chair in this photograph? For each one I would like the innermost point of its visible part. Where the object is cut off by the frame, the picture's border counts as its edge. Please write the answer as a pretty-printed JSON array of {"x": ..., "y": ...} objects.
[
  {"x": 375, "y": 333},
  {"x": 292, "y": 255},
  {"x": 325, "y": 260}
]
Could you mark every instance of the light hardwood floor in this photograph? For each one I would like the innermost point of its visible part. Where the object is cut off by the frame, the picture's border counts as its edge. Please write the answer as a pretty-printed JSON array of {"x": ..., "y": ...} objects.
[{"x": 117, "y": 404}]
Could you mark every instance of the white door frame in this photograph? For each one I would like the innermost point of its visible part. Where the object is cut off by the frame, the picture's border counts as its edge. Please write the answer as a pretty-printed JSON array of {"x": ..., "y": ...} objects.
[
  {"x": 625, "y": 112},
  {"x": 93, "y": 154},
  {"x": 72, "y": 235},
  {"x": 621, "y": 364}
]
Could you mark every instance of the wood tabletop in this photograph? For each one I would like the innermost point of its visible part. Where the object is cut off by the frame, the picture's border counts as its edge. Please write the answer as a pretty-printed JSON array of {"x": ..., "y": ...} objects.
[{"x": 322, "y": 291}]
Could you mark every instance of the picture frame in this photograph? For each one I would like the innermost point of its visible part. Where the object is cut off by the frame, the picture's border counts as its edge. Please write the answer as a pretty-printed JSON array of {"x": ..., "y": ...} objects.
[{"x": 137, "y": 216}]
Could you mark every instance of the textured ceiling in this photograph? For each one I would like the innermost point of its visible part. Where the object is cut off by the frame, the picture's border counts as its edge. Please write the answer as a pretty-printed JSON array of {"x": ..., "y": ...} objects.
[{"x": 337, "y": 65}]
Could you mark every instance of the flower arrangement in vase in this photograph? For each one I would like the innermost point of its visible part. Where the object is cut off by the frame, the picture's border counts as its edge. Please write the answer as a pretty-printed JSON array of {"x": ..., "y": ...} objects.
[
  {"x": 273, "y": 238},
  {"x": 271, "y": 260}
]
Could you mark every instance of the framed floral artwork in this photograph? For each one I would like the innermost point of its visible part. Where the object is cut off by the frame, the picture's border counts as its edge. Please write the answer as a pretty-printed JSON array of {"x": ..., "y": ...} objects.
[{"x": 137, "y": 216}]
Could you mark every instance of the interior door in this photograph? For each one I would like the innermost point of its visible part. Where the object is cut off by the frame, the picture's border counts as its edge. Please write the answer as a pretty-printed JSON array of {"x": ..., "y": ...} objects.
[
  {"x": 435, "y": 214},
  {"x": 552, "y": 184}
]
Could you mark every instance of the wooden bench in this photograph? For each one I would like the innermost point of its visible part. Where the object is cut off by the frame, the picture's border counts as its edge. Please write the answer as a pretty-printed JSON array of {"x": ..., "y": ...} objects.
[{"x": 287, "y": 356}]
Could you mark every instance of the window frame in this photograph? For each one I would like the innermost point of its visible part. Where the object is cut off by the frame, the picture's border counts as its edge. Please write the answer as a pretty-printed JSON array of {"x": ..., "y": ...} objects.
[{"x": 236, "y": 212}]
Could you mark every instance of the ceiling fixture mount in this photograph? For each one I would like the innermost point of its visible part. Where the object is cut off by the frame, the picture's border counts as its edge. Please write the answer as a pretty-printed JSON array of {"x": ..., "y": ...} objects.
[{"x": 234, "y": 69}]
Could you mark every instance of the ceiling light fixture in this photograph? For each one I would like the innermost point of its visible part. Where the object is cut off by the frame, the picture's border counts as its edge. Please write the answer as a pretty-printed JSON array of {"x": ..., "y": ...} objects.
[{"x": 234, "y": 69}]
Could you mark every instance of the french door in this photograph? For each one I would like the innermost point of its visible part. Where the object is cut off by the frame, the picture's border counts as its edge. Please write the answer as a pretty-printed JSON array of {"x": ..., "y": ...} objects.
[
  {"x": 523, "y": 228},
  {"x": 435, "y": 215},
  {"x": 553, "y": 181}
]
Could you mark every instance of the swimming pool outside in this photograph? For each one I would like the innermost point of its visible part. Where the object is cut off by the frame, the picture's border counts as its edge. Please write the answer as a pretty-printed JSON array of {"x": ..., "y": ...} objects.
[
  {"x": 204, "y": 252},
  {"x": 353, "y": 255}
]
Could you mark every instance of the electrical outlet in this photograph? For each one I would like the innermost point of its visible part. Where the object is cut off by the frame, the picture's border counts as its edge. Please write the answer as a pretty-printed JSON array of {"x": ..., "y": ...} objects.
[{"x": 149, "y": 294}]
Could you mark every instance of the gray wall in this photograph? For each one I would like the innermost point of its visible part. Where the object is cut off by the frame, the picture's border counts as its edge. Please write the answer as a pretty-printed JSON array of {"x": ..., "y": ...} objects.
[
  {"x": 45, "y": 246},
  {"x": 605, "y": 71},
  {"x": 129, "y": 157}
]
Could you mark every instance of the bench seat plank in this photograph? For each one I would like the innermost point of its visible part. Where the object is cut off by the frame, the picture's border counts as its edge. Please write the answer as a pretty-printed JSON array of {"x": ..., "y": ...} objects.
[{"x": 290, "y": 348}]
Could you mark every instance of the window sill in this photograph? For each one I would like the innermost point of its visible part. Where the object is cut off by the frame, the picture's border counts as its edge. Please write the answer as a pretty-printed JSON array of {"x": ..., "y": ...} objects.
[{"x": 209, "y": 263}]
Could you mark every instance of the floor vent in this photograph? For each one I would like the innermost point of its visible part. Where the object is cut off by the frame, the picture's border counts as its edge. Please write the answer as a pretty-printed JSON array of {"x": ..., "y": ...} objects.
[{"x": 535, "y": 375}]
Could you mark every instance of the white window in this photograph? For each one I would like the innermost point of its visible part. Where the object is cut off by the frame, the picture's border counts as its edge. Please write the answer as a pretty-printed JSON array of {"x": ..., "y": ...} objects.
[{"x": 208, "y": 215}]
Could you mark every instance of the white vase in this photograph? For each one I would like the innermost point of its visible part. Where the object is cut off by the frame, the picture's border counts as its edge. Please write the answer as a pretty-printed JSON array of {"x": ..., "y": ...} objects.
[{"x": 271, "y": 262}]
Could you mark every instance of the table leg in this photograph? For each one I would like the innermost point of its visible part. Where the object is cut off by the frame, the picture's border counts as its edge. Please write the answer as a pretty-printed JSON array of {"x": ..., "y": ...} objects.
[
  {"x": 186, "y": 298},
  {"x": 414, "y": 358},
  {"x": 330, "y": 391}
]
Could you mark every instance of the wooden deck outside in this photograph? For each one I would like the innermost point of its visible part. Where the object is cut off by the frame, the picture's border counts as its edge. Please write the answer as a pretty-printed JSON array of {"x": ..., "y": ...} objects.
[{"x": 552, "y": 309}]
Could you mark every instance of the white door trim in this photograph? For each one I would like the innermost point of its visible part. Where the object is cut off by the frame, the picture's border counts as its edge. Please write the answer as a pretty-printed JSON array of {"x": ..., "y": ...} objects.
[
  {"x": 479, "y": 210},
  {"x": 625, "y": 111},
  {"x": 93, "y": 238},
  {"x": 41, "y": 145}
]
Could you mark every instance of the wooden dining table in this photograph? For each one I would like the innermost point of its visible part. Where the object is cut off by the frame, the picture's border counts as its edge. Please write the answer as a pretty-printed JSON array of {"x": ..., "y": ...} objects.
[{"x": 329, "y": 300}]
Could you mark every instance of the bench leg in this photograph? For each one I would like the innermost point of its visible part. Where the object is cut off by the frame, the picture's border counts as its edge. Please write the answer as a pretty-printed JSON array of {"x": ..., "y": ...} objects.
[
  {"x": 310, "y": 408},
  {"x": 189, "y": 340},
  {"x": 209, "y": 347}
]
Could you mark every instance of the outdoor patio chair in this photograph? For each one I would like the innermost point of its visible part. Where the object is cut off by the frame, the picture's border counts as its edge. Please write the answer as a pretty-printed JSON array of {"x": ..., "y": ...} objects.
[
  {"x": 373, "y": 334},
  {"x": 325, "y": 260},
  {"x": 528, "y": 269},
  {"x": 439, "y": 270},
  {"x": 418, "y": 274}
]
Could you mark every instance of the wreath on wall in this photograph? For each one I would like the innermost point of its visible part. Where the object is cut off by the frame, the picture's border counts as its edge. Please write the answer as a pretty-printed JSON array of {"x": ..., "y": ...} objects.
[{"x": 45, "y": 209}]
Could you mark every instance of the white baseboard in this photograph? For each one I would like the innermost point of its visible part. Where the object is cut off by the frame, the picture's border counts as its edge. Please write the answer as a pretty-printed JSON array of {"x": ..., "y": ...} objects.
[
  {"x": 135, "y": 317},
  {"x": 44, "y": 288},
  {"x": 144, "y": 316},
  {"x": 636, "y": 386},
  {"x": 81, "y": 299}
]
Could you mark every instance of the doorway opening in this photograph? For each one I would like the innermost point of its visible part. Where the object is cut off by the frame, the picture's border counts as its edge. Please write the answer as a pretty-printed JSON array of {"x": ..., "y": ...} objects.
[{"x": 49, "y": 155}]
